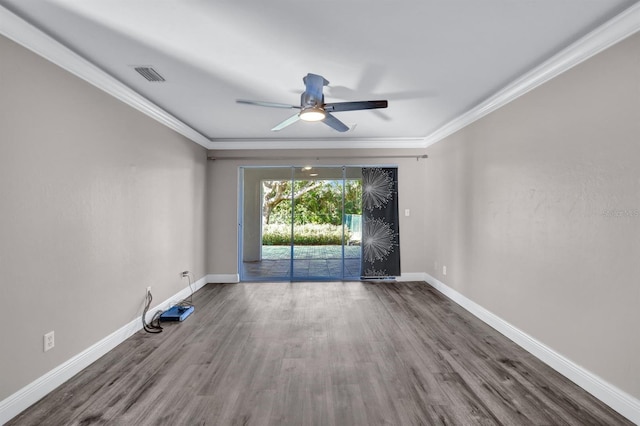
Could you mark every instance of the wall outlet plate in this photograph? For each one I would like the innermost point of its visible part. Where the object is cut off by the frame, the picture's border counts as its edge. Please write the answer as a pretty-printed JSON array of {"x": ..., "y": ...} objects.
[{"x": 49, "y": 341}]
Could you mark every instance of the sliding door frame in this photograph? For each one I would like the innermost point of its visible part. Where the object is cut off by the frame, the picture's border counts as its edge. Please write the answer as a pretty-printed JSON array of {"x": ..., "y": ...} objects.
[{"x": 291, "y": 275}]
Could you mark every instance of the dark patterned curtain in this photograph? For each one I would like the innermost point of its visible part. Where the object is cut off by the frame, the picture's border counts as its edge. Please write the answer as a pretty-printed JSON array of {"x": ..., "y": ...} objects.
[{"x": 380, "y": 230}]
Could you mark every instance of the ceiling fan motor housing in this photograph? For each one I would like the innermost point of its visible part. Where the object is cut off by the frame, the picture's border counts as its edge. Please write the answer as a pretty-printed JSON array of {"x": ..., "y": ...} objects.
[
  {"x": 313, "y": 95},
  {"x": 308, "y": 100}
]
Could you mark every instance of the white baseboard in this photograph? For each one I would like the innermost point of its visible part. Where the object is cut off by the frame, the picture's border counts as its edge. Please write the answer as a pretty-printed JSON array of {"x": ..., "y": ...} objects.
[
  {"x": 223, "y": 278},
  {"x": 615, "y": 398},
  {"x": 36, "y": 390},
  {"x": 412, "y": 276}
]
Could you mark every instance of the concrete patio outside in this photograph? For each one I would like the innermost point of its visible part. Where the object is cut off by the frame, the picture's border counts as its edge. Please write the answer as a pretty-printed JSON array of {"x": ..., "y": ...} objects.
[{"x": 309, "y": 262}]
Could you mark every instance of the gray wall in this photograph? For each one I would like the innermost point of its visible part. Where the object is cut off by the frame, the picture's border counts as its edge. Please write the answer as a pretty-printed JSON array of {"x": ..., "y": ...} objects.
[
  {"x": 97, "y": 202},
  {"x": 222, "y": 186},
  {"x": 538, "y": 214}
]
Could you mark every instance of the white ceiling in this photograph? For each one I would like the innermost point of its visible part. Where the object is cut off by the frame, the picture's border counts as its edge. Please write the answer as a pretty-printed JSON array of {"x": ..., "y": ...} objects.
[{"x": 434, "y": 60}]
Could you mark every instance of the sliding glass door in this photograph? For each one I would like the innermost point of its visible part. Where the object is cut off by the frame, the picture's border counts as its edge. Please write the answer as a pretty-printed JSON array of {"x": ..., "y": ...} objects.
[{"x": 300, "y": 223}]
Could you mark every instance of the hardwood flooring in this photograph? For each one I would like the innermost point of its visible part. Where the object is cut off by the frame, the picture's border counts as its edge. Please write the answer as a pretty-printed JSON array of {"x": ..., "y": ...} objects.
[{"x": 323, "y": 353}]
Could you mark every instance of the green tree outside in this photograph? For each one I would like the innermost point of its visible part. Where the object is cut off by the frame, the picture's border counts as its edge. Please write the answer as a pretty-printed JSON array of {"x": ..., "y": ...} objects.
[{"x": 317, "y": 203}]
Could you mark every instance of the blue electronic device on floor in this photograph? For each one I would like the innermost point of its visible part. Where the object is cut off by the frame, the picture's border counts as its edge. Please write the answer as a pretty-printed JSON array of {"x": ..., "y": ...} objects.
[{"x": 176, "y": 313}]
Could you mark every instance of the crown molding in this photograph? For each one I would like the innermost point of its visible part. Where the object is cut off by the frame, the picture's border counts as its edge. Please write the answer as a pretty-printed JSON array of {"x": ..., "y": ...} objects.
[
  {"x": 30, "y": 37},
  {"x": 613, "y": 31},
  {"x": 317, "y": 143}
]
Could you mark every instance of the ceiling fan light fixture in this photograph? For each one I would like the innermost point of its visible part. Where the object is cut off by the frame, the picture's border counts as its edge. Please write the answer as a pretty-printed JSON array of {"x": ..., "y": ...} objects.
[{"x": 312, "y": 114}]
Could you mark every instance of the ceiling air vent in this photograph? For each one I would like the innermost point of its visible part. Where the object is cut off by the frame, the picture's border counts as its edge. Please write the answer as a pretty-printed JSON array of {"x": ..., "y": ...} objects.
[{"x": 149, "y": 73}]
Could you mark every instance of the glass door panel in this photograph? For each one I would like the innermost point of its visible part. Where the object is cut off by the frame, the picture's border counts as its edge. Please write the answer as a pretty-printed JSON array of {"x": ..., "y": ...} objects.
[
  {"x": 318, "y": 228},
  {"x": 353, "y": 222},
  {"x": 266, "y": 225}
]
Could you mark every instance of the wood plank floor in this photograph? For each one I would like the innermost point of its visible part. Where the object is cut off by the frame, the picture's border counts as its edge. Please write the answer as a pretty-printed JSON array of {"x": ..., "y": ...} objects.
[{"x": 323, "y": 353}]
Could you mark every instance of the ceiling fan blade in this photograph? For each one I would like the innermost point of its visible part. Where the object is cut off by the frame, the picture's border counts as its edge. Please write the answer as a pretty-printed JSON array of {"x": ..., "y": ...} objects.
[
  {"x": 288, "y": 122},
  {"x": 267, "y": 104},
  {"x": 333, "y": 122},
  {"x": 353, "y": 106}
]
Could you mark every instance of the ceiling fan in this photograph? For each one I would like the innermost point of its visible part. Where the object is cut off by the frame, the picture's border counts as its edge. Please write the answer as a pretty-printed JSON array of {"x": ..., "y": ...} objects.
[{"x": 313, "y": 108}]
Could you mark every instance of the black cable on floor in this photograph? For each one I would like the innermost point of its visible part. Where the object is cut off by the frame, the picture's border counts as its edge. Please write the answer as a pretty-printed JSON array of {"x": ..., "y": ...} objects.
[{"x": 154, "y": 324}]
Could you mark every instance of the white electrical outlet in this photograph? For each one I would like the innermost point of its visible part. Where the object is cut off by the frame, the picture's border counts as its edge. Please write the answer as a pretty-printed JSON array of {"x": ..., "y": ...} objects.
[
  {"x": 49, "y": 341},
  {"x": 444, "y": 270},
  {"x": 149, "y": 289}
]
